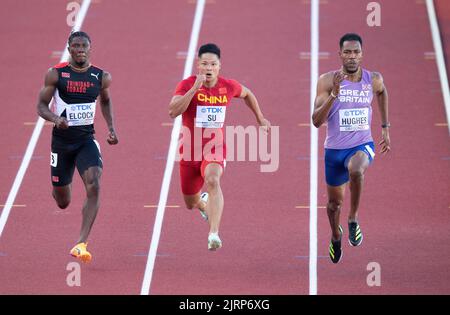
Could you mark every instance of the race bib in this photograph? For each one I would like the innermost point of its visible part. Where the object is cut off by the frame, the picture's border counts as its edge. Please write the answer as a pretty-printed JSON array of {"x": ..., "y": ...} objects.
[
  {"x": 53, "y": 159},
  {"x": 354, "y": 119},
  {"x": 80, "y": 114},
  {"x": 210, "y": 116}
]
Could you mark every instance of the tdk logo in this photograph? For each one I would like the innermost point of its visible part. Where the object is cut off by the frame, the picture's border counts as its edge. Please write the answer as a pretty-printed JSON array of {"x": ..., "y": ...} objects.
[
  {"x": 212, "y": 110},
  {"x": 81, "y": 107},
  {"x": 354, "y": 112}
]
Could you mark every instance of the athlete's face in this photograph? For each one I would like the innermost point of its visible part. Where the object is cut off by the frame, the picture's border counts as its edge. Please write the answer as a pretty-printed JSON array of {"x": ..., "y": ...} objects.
[
  {"x": 351, "y": 56},
  {"x": 79, "y": 50},
  {"x": 209, "y": 65}
]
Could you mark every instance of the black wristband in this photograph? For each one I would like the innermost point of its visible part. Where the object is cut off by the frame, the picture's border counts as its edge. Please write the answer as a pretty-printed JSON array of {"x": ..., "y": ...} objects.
[{"x": 387, "y": 125}]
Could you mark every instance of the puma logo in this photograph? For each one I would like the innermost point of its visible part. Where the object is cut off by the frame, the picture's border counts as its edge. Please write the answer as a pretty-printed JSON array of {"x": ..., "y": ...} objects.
[{"x": 95, "y": 75}]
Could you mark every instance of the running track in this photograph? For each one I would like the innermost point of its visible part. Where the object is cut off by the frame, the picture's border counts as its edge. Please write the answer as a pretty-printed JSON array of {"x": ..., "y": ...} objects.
[{"x": 405, "y": 206}]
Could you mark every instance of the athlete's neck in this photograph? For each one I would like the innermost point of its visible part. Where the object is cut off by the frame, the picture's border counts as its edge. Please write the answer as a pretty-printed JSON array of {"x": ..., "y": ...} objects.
[
  {"x": 79, "y": 68},
  {"x": 355, "y": 76},
  {"x": 210, "y": 84}
]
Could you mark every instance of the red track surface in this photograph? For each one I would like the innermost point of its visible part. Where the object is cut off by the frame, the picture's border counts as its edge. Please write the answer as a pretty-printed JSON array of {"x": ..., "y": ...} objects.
[{"x": 405, "y": 207}]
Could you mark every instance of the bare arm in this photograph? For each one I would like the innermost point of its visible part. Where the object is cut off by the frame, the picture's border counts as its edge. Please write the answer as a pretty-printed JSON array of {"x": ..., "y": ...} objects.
[
  {"x": 179, "y": 103},
  {"x": 381, "y": 93},
  {"x": 45, "y": 96},
  {"x": 252, "y": 103},
  {"x": 106, "y": 106},
  {"x": 328, "y": 87},
  {"x": 382, "y": 96}
]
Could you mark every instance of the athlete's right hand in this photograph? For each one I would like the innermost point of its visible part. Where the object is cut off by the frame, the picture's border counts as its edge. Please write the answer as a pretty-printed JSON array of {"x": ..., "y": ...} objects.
[
  {"x": 199, "y": 81},
  {"x": 61, "y": 123},
  {"x": 338, "y": 77}
]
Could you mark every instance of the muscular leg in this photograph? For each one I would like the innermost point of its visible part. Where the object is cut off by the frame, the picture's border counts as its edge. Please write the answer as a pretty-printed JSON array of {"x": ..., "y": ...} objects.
[
  {"x": 214, "y": 207},
  {"x": 91, "y": 180},
  {"x": 335, "y": 200},
  {"x": 356, "y": 167},
  {"x": 62, "y": 195},
  {"x": 194, "y": 202}
]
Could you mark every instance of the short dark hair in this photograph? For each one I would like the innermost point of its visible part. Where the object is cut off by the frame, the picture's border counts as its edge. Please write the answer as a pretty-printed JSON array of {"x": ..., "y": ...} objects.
[
  {"x": 78, "y": 34},
  {"x": 209, "y": 48},
  {"x": 350, "y": 37}
]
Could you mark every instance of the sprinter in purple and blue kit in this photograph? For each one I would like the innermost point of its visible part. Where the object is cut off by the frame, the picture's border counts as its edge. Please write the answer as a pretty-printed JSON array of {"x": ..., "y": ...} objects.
[{"x": 344, "y": 100}]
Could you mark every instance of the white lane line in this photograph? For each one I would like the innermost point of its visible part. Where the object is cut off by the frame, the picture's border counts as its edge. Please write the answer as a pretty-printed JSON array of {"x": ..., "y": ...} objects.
[
  {"x": 314, "y": 151},
  {"x": 171, "y": 155},
  {"x": 439, "y": 58},
  {"x": 36, "y": 133}
]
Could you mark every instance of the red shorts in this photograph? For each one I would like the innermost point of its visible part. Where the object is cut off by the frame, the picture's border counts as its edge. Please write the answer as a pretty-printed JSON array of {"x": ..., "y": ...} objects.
[{"x": 192, "y": 175}]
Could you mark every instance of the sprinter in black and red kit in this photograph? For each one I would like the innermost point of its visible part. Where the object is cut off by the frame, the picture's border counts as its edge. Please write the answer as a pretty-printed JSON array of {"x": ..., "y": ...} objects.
[{"x": 75, "y": 86}]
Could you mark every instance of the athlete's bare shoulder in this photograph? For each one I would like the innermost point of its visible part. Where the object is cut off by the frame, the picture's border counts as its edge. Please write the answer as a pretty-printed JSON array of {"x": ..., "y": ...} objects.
[
  {"x": 51, "y": 77},
  {"x": 106, "y": 79},
  {"x": 377, "y": 82},
  {"x": 52, "y": 71},
  {"x": 326, "y": 80},
  {"x": 376, "y": 75},
  {"x": 107, "y": 75},
  {"x": 327, "y": 76}
]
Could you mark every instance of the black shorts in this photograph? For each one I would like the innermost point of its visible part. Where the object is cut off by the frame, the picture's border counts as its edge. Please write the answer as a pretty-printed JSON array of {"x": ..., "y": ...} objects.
[{"x": 65, "y": 156}]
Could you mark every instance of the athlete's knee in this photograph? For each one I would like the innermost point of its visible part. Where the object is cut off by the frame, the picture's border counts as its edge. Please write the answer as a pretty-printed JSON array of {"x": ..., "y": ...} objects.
[
  {"x": 212, "y": 181},
  {"x": 334, "y": 205},
  {"x": 190, "y": 205},
  {"x": 63, "y": 201},
  {"x": 63, "y": 204},
  {"x": 191, "y": 202},
  {"x": 357, "y": 174},
  {"x": 93, "y": 187}
]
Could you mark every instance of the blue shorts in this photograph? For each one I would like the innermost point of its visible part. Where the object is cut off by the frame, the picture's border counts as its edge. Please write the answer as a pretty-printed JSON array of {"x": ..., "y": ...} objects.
[{"x": 336, "y": 162}]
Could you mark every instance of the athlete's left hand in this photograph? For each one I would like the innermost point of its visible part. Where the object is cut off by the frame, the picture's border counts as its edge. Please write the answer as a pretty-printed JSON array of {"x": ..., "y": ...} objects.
[
  {"x": 112, "y": 138},
  {"x": 265, "y": 125},
  {"x": 385, "y": 142}
]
